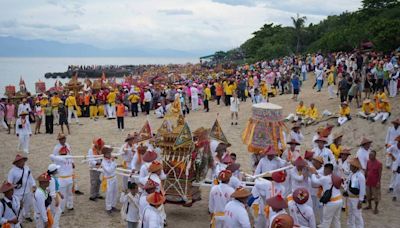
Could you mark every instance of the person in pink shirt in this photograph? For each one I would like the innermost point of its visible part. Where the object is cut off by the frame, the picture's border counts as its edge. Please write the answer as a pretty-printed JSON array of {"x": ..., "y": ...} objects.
[{"x": 10, "y": 116}]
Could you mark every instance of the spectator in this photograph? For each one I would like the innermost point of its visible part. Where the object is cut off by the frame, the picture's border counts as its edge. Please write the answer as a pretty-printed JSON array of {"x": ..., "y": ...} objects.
[{"x": 373, "y": 183}]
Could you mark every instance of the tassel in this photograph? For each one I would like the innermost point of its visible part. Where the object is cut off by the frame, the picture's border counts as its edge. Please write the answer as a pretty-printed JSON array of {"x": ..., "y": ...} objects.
[
  {"x": 50, "y": 219},
  {"x": 103, "y": 185}
]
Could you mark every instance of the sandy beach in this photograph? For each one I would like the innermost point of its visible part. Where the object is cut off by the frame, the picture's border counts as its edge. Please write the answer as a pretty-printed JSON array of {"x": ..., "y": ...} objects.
[{"x": 92, "y": 214}]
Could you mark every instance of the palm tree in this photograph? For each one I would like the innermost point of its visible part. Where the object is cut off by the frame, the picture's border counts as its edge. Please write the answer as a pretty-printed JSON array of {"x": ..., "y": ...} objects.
[{"x": 298, "y": 24}]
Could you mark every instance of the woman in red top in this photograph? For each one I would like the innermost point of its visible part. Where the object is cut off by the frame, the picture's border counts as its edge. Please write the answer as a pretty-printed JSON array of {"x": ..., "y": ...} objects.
[{"x": 373, "y": 180}]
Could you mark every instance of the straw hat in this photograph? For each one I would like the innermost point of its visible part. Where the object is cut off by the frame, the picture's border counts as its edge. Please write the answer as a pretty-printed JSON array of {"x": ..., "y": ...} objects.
[
  {"x": 155, "y": 199},
  {"x": 5, "y": 187},
  {"x": 241, "y": 193},
  {"x": 61, "y": 136},
  {"x": 225, "y": 175},
  {"x": 130, "y": 136},
  {"x": 282, "y": 221},
  {"x": 106, "y": 149},
  {"x": 44, "y": 177},
  {"x": 301, "y": 195},
  {"x": 294, "y": 142},
  {"x": 355, "y": 162},
  {"x": 23, "y": 113},
  {"x": 199, "y": 131},
  {"x": 396, "y": 121},
  {"x": 345, "y": 151},
  {"x": 19, "y": 157},
  {"x": 319, "y": 159},
  {"x": 270, "y": 150},
  {"x": 337, "y": 135},
  {"x": 155, "y": 166},
  {"x": 365, "y": 141},
  {"x": 308, "y": 154},
  {"x": 299, "y": 162},
  {"x": 277, "y": 202},
  {"x": 279, "y": 177},
  {"x": 321, "y": 139},
  {"x": 149, "y": 156},
  {"x": 150, "y": 184},
  {"x": 233, "y": 167}
]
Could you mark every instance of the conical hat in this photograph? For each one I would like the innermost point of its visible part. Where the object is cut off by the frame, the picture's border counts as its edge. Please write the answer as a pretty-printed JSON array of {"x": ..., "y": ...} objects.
[
  {"x": 217, "y": 133},
  {"x": 299, "y": 162},
  {"x": 396, "y": 121},
  {"x": 240, "y": 193},
  {"x": 5, "y": 187},
  {"x": 155, "y": 166},
  {"x": 155, "y": 199},
  {"x": 149, "y": 156},
  {"x": 355, "y": 162},
  {"x": 365, "y": 141},
  {"x": 19, "y": 157}
]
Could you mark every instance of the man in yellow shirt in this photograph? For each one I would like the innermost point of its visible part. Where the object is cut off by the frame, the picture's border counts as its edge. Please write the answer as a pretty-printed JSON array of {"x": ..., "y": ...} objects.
[
  {"x": 55, "y": 101},
  {"x": 331, "y": 84},
  {"x": 207, "y": 97},
  {"x": 383, "y": 111},
  {"x": 134, "y": 99},
  {"x": 72, "y": 106},
  {"x": 336, "y": 146},
  {"x": 344, "y": 113},
  {"x": 44, "y": 101},
  {"x": 228, "y": 93},
  {"x": 312, "y": 115},
  {"x": 367, "y": 109},
  {"x": 111, "y": 99},
  {"x": 301, "y": 112}
]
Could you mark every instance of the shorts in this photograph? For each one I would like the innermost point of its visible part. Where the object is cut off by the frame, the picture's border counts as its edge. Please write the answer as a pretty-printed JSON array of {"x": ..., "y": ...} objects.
[
  {"x": 63, "y": 121},
  {"x": 296, "y": 91},
  {"x": 373, "y": 193}
]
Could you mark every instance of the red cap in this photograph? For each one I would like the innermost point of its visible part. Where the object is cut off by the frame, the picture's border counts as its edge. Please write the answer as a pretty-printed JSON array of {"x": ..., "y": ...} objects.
[
  {"x": 308, "y": 154},
  {"x": 277, "y": 202},
  {"x": 5, "y": 187},
  {"x": 279, "y": 177},
  {"x": 301, "y": 195},
  {"x": 224, "y": 175},
  {"x": 149, "y": 156},
  {"x": 300, "y": 162}
]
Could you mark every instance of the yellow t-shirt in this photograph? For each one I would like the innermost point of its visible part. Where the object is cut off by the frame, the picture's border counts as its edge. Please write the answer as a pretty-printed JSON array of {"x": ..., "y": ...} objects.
[
  {"x": 111, "y": 98},
  {"x": 344, "y": 111},
  {"x": 331, "y": 79},
  {"x": 251, "y": 82},
  {"x": 312, "y": 113},
  {"x": 230, "y": 89},
  {"x": 301, "y": 110},
  {"x": 44, "y": 102},
  {"x": 133, "y": 98},
  {"x": 384, "y": 107},
  {"x": 264, "y": 90},
  {"x": 70, "y": 102},
  {"x": 207, "y": 93},
  {"x": 335, "y": 150},
  {"x": 55, "y": 101},
  {"x": 368, "y": 108}
]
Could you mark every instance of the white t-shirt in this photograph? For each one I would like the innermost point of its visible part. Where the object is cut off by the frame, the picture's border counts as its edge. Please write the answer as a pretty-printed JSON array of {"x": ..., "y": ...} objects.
[{"x": 234, "y": 104}]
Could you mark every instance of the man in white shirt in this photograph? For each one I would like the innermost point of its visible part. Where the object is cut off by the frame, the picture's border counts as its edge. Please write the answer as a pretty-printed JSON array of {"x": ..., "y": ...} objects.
[
  {"x": 391, "y": 135},
  {"x": 324, "y": 152},
  {"x": 394, "y": 77},
  {"x": 147, "y": 100},
  {"x": 151, "y": 215},
  {"x": 109, "y": 167},
  {"x": 147, "y": 159},
  {"x": 23, "y": 131},
  {"x": 130, "y": 201},
  {"x": 21, "y": 177},
  {"x": 235, "y": 210},
  {"x": 296, "y": 134},
  {"x": 24, "y": 107},
  {"x": 9, "y": 206},
  {"x": 393, "y": 153},
  {"x": 291, "y": 153},
  {"x": 356, "y": 191},
  {"x": 302, "y": 214},
  {"x": 332, "y": 209},
  {"x": 194, "y": 97},
  {"x": 42, "y": 202},
  {"x": 269, "y": 162},
  {"x": 363, "y": 152},
  {"x": 300, "y": 177},
  {"x": 219, "y": 196}
]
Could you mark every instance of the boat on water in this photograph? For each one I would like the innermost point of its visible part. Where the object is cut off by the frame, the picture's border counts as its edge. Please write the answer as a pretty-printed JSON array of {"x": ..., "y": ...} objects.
[{"x": 86, "y": 73}]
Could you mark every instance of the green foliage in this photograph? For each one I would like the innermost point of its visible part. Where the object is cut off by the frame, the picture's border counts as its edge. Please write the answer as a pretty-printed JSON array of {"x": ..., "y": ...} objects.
[{"x": 378, "y": 21}]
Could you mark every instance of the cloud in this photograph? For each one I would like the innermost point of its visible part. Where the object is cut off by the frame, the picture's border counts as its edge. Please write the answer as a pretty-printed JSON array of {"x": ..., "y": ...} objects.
[
  {"x": 73, "y": 7},
  {"x": 61, "y": 28},
  {"x": 237, "y": 2},
  {"x": 176, "y": 11}
]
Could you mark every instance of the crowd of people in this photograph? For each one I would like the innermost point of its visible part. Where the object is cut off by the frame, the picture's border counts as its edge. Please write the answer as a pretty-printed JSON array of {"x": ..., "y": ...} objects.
[{"x": 323, "y": 181}]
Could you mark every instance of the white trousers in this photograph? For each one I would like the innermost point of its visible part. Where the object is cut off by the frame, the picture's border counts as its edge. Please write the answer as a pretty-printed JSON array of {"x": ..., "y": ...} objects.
[
  {"x": 110, "y": 111},
  {"x": 39, "y": 221},
  {"x": 27, "y": 199},
  {"x": 56, "y": 212},
  {"x": 393, "y": 88},
  {"x": 66, "y": 185},
  {"x": 56, "y": 117},
  {"x": 195, "y": 103},
  {"x": 355, "y": 219},
  {"x": 317, "y": 209},
  {"x": 342, "y": 120},
  {"x": 112, "y": 193},
  {"x": 331, "y": 91},
  {"x": 331, "y": 215},
  {"x": 371, "y": 115},
  {"x": 70, "y": 112},
  {"x": 2, "y": 123},
  {"x": 381, "y": 115},
  {"x": 396, "y": 185},
  {"x": 24, "y": 143},
  {"x": 261, "y": 221}
]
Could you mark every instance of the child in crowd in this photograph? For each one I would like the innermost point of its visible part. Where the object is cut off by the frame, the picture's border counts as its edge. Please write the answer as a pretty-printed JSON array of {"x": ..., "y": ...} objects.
[
  {"x": 38, "y": 117},
  {"x": 234, "y": 107},
  {"x": 120, "y": 115},
  {"x": 130, "y": 208}
]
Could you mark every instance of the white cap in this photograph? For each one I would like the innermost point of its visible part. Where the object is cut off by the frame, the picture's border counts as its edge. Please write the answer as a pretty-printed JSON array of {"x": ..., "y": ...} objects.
[{"x": 53, "y": 167}]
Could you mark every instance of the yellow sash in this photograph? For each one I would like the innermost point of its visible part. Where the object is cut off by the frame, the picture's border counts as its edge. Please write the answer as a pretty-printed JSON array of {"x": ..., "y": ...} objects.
[
  {"x": 339, "y": 197},
  {"x": 103, "y": 185},
  {"x": 266, "y": 211},
  {"x": 256, "y": 209},
  {"x": 216, "y": 214},
  {"x": 6, "y": 225},
  {"x": 50, "y": 219}
]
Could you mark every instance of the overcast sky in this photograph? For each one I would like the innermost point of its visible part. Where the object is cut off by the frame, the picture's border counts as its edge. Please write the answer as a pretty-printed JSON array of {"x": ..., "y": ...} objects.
[{"x": 168, "y": 24}]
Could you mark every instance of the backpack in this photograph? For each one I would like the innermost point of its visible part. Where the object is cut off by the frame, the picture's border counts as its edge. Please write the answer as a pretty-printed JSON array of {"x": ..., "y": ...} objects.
[{"x": 326, "y": 197}]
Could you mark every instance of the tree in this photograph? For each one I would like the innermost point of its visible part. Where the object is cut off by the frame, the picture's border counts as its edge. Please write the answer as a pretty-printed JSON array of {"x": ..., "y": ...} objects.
[
  {"x": 378, "y": 4},
  {"x": 298, "y": 24}
]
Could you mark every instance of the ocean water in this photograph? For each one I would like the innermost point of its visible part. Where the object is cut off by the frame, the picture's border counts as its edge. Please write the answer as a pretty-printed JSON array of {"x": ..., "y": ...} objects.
[{"x": 33, "y": 69}]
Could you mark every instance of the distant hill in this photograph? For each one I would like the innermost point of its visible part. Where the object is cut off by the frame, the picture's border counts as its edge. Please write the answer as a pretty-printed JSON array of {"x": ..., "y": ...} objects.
[{"x": 15, "y": 47}]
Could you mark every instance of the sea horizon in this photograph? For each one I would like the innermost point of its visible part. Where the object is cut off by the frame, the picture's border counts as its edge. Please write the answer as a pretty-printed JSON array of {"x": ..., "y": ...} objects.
[{"x": 33, "y": 69}]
